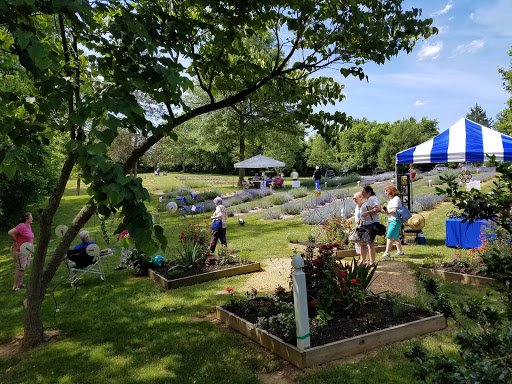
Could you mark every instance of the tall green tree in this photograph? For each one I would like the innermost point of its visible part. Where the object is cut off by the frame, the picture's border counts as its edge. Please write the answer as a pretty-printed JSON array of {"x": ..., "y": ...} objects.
[
  {"x": 504, "y": 118},
  {"x": 478, "y": 115},
  {"x": 321, "y": 154},
  {"x": 405, "y": 134},
  {"x": 154, "y": 48}
]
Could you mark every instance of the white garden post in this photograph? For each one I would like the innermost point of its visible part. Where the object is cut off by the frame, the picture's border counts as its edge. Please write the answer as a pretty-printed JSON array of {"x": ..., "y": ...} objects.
[
  {"x": 326, "y": 184},
  {"x": 300, "y": 302},
  {"x": 430, "y": 183}
]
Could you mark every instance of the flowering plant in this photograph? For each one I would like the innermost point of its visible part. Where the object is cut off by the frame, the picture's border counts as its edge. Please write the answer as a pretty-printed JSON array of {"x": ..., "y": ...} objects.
[{"x": 333, "y": 229}]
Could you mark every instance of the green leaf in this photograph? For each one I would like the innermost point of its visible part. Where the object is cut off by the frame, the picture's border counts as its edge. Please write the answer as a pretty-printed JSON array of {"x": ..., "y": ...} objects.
[
  {"x": 97, "y": 149},
  {"x": 10, "y": 170}
]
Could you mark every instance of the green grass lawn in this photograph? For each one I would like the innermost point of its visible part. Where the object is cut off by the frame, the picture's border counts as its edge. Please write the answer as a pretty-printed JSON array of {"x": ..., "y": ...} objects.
[{"x": 129, "y": 330}]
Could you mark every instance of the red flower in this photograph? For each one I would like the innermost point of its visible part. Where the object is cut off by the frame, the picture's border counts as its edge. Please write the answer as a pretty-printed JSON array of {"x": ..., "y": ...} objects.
[
  {"x": 335, "y": 245},
  {"x": 313, "y": 303},
  {"x": 342, "y": 273},
  {"x": 358, "y": 279},
  {"x": 353, "y": 281},
  {"x": 205, "y": 221},
  {"x": 229, "y": 289},
  {"x": 181, "y": 236},
  {"x": 343, "y": 281},
  {"x": 345, "y": 289},
  {"x": 315, "y": 261}
]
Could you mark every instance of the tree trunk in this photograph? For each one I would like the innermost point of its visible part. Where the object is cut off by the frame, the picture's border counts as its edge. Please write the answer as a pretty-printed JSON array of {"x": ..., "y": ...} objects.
[
  {"x": 241, "y": 171},
  {"x": 78, "y": 184}
]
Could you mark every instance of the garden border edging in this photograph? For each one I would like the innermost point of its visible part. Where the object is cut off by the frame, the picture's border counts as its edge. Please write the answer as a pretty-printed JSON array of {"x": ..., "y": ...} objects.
[
  {"x": 332, "y": 351},
  {"x": 203, "y": 277},
  {"x": 461, "y": 278}
]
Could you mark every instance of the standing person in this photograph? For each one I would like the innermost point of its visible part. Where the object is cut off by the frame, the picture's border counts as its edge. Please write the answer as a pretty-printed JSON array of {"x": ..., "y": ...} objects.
[
  {"x": 317, "y": 175},
  {"x": 22, "y": 233},
  {"x": 394, "y": 224},
  {"x": 359, "y": 200},
  {"x": 370, "y": 215},
  {"x": 221, "y": 215},
  {"x": 294, "y": 175},
  {"x": 125, "y": 252}
]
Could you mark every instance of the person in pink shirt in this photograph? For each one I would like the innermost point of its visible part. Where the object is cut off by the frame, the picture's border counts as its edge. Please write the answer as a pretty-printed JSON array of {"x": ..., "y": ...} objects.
[
  {"x": 125, "y": 252},
  {"x": 22, "y": 233}
]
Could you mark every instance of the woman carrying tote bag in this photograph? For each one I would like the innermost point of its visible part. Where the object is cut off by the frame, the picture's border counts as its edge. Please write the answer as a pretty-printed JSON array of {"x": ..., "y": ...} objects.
[{"x": 369, "y": 215}]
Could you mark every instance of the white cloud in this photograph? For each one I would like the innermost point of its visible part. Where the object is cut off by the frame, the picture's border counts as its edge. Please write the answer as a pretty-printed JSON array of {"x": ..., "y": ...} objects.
[
  {"x": 445, "y": 9},
  {"x": 419, "y": 103},
  {"x": 470, "y": 48},
  {"x": 430, "y": 51},
  {"x": 496, "y": 16}
]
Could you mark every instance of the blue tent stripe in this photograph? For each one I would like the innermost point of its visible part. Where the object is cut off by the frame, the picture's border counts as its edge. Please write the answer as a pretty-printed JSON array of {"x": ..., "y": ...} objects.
[
  {"x": 439, "y": 153},
  {"x": 507, "y": 148},
  {"x": 474, "y": 142},
  {"x": 406, "y": 157}
]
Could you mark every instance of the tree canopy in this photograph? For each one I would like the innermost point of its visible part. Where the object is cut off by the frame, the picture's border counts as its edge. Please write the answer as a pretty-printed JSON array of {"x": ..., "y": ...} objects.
[{"x": 93, "y": 63}]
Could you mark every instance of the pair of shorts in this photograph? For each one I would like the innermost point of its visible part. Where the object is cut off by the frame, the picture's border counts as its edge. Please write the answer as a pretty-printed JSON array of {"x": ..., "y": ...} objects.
[{"x": 393, "y": 229}]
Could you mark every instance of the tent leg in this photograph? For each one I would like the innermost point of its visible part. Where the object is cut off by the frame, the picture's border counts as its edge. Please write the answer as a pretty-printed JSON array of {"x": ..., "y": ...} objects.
[{"x": 396, "y": 175}]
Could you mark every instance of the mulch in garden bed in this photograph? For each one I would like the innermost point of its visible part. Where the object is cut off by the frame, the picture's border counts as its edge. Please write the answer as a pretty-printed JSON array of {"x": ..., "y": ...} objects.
[
  {"x": 164, "y": 270},
  {"x": 378, "y": 313},
  {"x": 452, "y": 267}
]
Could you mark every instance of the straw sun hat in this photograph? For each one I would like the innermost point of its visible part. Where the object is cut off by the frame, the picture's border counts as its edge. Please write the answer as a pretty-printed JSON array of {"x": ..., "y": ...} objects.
[{"x": 416, "y": 222}]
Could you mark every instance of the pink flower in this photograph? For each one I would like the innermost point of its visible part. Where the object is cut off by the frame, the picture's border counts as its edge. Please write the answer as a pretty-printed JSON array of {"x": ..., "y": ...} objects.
[
  {"x": 313, "y": 303},
  {"x": 205, "y": 221},
  {"x": 456, "y": 257},
  {"x": 342, "y": 273},
  {"x": 231, "y": 251}
]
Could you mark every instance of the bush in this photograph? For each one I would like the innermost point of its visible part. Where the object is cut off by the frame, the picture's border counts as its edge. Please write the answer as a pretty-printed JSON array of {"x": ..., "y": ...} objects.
[
  {"x": 271, "y": 215},
  {"x": 297, "y": 193},
  {"x": 427, "y": 202},
  {"x": 279, "y": 199},
  {"x": 291, "y": 208},
  {"x": 181, "y": 191}
]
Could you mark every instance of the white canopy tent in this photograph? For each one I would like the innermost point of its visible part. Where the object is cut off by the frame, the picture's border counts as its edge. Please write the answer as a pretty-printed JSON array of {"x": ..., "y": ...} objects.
[{"x": 260, "y": 161}]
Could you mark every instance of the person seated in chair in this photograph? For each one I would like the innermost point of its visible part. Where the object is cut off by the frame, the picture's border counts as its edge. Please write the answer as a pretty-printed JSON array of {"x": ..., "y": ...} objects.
[
  {"x": 78, "y": 256},
  {"x": 278, "y": 183}
]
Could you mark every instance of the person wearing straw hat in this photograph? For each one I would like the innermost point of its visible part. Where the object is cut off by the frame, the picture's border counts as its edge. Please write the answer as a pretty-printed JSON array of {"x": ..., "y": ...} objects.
[{"x": 394, "y": 224}]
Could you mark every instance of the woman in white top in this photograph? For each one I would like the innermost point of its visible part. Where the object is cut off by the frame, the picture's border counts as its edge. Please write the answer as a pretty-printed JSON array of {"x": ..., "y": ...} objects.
[
  {"x": 369, "y": 215},
  {"x": 359, "y": 200},
  {"x": 394, "y": 224}
]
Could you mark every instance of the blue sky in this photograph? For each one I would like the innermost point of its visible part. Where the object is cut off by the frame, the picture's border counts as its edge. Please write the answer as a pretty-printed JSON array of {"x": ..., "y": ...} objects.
[{"x": 445, "y": 75}]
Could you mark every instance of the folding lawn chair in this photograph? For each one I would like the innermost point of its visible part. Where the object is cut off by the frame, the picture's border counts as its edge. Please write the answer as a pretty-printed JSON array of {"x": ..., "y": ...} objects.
[{"x": 86, "y": 260}]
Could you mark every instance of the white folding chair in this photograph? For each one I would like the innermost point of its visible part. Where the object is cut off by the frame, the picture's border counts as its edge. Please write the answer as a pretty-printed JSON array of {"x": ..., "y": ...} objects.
[{"x": 96, "y": 267}]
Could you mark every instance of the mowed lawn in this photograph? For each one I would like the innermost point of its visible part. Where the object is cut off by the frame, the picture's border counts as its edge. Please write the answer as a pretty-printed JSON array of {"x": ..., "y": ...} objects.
[{"x": 128, "y": 330}]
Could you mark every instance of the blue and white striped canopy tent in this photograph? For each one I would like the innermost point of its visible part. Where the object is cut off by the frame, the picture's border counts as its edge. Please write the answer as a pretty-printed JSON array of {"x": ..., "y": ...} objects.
[{"x": 463, "y": 141}]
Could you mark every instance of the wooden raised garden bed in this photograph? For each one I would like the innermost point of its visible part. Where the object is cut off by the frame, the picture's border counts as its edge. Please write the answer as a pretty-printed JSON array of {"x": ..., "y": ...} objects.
[
  {"x": 340, "y": 253},
  {"x": 203, "y": 277},
  {"x": 335, "y": 350},
  {"x": 461, "y": 278}
]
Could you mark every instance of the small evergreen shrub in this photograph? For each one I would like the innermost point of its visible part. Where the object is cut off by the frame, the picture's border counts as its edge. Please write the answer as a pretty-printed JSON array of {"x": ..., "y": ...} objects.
[
  {"x": 271, "y": 215},
  {"x": 297, "y": 193},
  {"x": 291, "y": 208}
]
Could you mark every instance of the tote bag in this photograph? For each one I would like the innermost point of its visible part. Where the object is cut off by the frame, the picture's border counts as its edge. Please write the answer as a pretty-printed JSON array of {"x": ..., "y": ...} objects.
[
  {"x": 403, "y": 214},
  {"x": 216, "y": 225}
]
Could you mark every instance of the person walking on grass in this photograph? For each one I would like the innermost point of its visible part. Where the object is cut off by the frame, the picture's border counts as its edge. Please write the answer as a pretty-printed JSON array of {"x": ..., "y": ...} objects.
[
  {"x": 219, "y": 217},
  {"x": 125, "y": 251},
  {"x": 394, "y": 224},
  {"x": 22, "y": 233},
  {"x": 317, "y": 175}
]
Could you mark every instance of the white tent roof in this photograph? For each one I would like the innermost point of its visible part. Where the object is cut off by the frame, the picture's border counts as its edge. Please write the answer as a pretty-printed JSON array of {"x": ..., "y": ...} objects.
[
  {"x": 259, "y": 161},
  {"x": 463, "y": 141}
]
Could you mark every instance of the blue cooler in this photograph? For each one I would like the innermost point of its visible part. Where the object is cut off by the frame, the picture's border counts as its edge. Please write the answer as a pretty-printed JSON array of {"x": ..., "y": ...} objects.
[{"x": 421, "y": 239}]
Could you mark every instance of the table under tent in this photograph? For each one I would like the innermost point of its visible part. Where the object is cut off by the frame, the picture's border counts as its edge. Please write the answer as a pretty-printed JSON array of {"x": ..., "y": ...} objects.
[
  {"x": 259, "y": 162},
  {"x": 465, "y": 141}
]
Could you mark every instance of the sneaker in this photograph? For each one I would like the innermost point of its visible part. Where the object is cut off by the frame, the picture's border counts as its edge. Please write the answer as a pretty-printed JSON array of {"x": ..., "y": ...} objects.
[
  {"x": 399, "y": 254},
  {"x": 119, "y": 267},
  {"x": 385, "y": 256}
]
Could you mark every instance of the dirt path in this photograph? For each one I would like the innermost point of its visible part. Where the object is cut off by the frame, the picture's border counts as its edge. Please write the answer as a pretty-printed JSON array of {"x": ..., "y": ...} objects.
[{"x": 392, "y": 276}]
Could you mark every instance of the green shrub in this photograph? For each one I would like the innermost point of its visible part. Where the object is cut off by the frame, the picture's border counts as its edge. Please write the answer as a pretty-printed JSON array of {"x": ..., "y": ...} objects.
[
  {"x": 297, "y": 193},
  {"x": 291, "y": 208},
  {"x": 271, "y": 215},
  {"x": 280, "y": 199}
]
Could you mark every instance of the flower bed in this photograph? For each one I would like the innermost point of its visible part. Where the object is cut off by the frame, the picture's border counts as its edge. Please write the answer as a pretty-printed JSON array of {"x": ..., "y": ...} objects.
[
  {"x": 349, "y": 332},
  {"x": 345, "y": 318},
  {"x": 201, "y": 276}
]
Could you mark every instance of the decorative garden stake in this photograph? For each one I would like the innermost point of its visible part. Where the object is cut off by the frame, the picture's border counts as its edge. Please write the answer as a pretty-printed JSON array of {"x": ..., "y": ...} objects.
[{"x": 300, "y": 302}]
